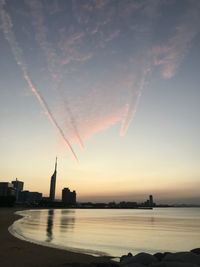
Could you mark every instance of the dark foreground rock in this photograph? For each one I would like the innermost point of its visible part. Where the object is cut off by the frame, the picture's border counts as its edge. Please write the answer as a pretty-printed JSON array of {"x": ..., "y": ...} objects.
[
  {"x": 196, "y": 251},
  {"x": 167, "y": 259}
]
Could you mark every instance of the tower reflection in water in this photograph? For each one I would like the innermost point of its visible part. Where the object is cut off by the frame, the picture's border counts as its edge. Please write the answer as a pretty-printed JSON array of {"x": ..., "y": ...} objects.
[
  {"x": 62, "y": 220},
  {"x": 49, "y": 231},
  {"x": 67, "y": 220}
]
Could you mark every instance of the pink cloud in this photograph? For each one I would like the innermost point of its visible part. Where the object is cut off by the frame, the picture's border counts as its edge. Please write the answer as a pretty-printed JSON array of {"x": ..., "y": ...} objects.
[{"x": 103, "y": 123}]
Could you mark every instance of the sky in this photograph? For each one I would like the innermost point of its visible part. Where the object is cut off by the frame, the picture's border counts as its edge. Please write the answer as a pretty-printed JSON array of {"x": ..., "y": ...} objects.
[{"x": 111, "y": 88}]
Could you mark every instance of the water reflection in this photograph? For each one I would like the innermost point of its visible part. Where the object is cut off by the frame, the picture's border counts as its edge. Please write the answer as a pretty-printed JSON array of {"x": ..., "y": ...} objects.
[
  {"x": 67, "y": 220},
  {"x": 114, "y": 231},
  {"x": 49, "y": 231},
  {"x": 152, "y": 221}
]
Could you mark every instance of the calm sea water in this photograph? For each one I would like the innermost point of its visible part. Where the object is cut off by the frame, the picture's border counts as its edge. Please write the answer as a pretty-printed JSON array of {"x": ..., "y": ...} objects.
[{"x": 112, "y": 232}]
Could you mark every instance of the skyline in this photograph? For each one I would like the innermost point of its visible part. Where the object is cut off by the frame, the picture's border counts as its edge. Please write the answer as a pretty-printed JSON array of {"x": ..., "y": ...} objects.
[{"x": 121, "y": 82}]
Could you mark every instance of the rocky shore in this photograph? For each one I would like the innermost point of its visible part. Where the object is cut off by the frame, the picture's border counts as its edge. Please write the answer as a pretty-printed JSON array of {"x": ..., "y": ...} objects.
[{"x": 167, "y": 259}]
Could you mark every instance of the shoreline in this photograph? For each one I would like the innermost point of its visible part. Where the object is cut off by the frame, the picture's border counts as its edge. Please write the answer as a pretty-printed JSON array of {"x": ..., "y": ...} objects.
[
  {"x": 50, "y": 245},
  {"x": 18, "y": 252},
  {"x": 15, "y": 252}
]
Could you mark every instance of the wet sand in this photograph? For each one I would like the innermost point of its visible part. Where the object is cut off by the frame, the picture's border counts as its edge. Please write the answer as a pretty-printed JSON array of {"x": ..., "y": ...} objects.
[{"x": 17, "y": 253}]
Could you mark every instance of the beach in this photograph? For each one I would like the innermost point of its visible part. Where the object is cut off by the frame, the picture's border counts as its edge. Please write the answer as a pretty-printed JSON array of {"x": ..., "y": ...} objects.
[
  {"x": 21, "y": 253},
  {"x": 15, "y": 252}
]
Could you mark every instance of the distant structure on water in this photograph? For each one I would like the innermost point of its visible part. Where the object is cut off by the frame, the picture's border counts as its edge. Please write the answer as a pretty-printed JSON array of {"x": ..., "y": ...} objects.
[
  {"x": 53, "y": 184},
  {"x": 149, "y": 202}
]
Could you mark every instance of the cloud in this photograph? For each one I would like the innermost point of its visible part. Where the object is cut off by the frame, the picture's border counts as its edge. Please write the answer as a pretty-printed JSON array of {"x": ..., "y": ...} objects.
[
  {"x": 97, "y": 56},
  {"x": 103, "y": 123},
  {"x": 18, "y": 55},
  {"x": 170, "y": 55}
]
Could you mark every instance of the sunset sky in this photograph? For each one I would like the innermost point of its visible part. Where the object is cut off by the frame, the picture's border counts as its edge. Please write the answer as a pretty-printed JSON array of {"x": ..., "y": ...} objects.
[{"x": 112, "y": 88}]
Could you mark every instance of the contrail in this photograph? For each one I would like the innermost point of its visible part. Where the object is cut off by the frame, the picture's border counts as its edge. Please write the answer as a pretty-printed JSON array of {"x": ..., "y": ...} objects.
[
  {"x": 10, "y": 37},
  {"x": 73, "y": 123},
  {"x": 45, "y": 106},
  {"x": 72, "y": 119},
  {"x": 132, "y": 107},
  {"x": 51, "y": 57}
]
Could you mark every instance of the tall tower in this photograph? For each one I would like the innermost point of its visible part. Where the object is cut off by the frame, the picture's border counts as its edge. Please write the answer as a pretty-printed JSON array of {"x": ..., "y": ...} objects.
[{"x": 53, "y": 184}]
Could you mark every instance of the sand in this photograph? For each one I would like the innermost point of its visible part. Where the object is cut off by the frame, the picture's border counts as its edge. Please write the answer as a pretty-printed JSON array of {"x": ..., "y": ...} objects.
[{"x": 18, "y": 253}]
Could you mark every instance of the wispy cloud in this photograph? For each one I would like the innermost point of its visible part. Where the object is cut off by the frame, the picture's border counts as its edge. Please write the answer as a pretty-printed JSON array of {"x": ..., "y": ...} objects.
[
  {"x": 98, "y": 56},
  {"x": 18, "y": 55},
  {"x": 103, "y": 123},
  {"x": 170, "y": 55},
  {"x": 54, "y": 62}
]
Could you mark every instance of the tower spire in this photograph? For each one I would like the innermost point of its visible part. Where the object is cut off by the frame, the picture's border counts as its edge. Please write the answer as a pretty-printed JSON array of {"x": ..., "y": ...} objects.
[
  {"x": 56, "y": 165},
  {"x": 53, "y": 184}
]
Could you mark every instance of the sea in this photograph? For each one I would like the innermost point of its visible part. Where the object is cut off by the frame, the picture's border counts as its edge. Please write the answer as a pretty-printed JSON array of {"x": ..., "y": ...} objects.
[{"x": 111, "y": 232}]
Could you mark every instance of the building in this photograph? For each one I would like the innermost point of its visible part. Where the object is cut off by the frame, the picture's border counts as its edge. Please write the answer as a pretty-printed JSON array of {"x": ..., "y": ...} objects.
[
  {"x": 151, "y": 204},
  {"x": 53, "y": 184},
  {"x": 6, "y": 189},
  {"x": 18, "y": 186},
  {"x": 30, "y": 197},
  {"x": 68, "y": 197},
  {"x": 7, "y": 194}
]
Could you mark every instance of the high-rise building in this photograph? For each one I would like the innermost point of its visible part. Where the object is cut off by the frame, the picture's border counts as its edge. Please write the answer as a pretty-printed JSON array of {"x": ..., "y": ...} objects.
[
  {"x": 151, "y": 204},
  {"x": 68, "y": 197},
  {"x": 18, "y": 186},
  {"x": 53, "y": 184}
]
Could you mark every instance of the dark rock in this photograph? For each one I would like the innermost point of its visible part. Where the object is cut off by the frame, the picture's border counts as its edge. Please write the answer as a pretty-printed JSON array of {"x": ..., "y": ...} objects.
[
  {"x": 177, "y": 264},
  {"x": 126, "y": 261},
  {"x": 134, "y": 264},
  {"x": 166, "y": 259},
  {"x": 185, "y": 257},
  {"x": 158, "y": 264},
  {"x": 159, "y": 256},
  {"x": 173, "y": 264},
  {"x": 195, "y": 251},
  {"x": 167, "y": 253},
  {"x": 145, "y": 258},
  {"x": 107, "y": 264},
  {"x": 124, "y": 257}
]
